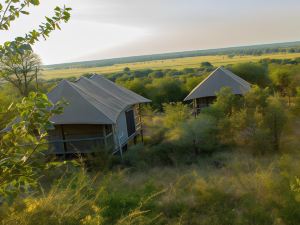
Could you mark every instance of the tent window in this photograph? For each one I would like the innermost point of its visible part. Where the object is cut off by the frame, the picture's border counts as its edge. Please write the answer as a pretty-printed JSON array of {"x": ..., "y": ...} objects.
[{"x": 130, "y": 122}]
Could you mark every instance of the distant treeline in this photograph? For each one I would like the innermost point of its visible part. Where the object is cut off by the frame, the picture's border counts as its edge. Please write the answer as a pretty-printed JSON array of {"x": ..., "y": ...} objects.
[{"x": 289, "y": 47}]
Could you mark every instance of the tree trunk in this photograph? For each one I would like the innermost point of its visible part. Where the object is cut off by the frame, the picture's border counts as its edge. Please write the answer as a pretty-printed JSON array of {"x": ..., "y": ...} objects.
[{"x": 275, "y": 135}]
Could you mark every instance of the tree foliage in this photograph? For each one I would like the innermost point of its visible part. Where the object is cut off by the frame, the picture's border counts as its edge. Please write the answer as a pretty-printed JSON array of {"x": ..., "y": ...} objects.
[
  {"x": 200, "y": 135},
  {"x": 22, "y": 145},
  {"x": 11, "y": 11},
  {"x": 274, "y": 120},
  {"x": 175, "y": 114},
  {"x": 254, "y": 73},
  {"x": 20, "y": 70}
]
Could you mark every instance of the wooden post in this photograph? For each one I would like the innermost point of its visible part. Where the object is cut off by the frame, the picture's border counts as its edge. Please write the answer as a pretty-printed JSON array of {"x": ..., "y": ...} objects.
[
  {"x": 118, "y": 140},
  {"x": 195, "y": 107},
  {"x": 140, "y": 113},
  {"x": 64, "y": 140},
  {"x": 141, "y": 122},
  {"x": 142, "y": 136},
  {"x": 104, "y": 135},
  {"x": 114, "y": 137}
]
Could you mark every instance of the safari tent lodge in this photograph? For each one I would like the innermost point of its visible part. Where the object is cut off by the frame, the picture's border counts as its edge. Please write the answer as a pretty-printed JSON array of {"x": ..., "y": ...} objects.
[
  {"x": 99, "y": 115},
  {"x": 204, "y": 93}
]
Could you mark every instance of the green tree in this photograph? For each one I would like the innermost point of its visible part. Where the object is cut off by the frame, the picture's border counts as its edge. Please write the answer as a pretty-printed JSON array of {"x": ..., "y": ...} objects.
[
  {"x": 21, "y": 147},
  {"x": 206, "y": 65},
  {"x": 225, "y": 104},
  {"x": 275, "y": 119},
  {"x": 248, "y": 130},
  {"x": 165, "y": 90},
  {"x": 296, "y": 107},
  {"x": 7, "y": 96},
  {"x": 137, "y": 85},
  {"x": 175, "y": 113},
  {"x": 192, "y": 82},
  {"x": 254, "y": 73},
  {"x": 126, "y": 70},
  {"x": 283, "y": 81},
  {"x": 256, "y": 98},
  {"x": 222, "y": 110},
  {"x": 259, "y": 123},
  {"x": 199, "y": 135},
  {"x": 20, "y": 70},
  {"x": 156, "y": 74}
]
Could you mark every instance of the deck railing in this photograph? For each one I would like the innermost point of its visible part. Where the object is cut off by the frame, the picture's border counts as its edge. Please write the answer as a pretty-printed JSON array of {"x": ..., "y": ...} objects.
[{"x": 80, "y": 145}]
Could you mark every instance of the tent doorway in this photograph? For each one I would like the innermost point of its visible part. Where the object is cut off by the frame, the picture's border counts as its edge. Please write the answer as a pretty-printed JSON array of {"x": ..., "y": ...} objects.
[{"x": 130, "y": 122}]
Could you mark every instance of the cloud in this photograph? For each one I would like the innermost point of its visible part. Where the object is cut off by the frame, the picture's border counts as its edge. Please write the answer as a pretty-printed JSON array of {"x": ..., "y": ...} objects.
[{"x": 114, "y": 28}]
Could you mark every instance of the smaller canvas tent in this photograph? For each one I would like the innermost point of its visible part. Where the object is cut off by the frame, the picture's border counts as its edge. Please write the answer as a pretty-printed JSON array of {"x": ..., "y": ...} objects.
[
  {"x": 99, "y": 114},
  {"x": 205, "y": 92}
]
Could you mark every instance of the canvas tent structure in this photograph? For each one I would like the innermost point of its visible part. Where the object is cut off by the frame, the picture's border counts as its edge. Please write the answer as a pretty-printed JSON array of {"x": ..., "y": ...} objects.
[
  {"x": 204, "y": 93},
  {"x": 99, "y": 115}
]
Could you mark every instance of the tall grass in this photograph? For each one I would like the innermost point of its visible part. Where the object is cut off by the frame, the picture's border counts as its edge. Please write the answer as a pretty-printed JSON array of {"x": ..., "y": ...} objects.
[
  {"x": 81, "y": 200},
  {"x": 243, "y": 190}
]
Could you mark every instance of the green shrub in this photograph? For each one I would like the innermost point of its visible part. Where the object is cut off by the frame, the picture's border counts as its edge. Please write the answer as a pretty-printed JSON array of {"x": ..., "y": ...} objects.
[
  {"x": 254, "y": 73},
  {"x": 101, "y": 159},
  {"x": 197, "y": 135}
]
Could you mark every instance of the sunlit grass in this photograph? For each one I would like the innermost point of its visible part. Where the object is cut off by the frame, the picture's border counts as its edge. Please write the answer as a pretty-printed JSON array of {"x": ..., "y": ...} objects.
[
  {"x": 246, "y": 190},
  {"x": 181, "y": 63}
]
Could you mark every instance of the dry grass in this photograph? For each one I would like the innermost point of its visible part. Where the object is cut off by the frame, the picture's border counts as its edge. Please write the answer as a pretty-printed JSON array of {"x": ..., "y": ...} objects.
[
  {"x": 181, "y": 63},
  {"x": 246, "y": 190}
]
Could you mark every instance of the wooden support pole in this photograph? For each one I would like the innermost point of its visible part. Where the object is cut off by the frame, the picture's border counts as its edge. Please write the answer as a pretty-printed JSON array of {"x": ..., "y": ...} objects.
[
  {"x": 118, "y": 143},
  {"x": 142, "y": 135},
  {"x": 64, "y": 140},
  {"x": 141, "y": 122},
  {"x": 195, "y": 110},
  {"x": 104, "y": 135}
]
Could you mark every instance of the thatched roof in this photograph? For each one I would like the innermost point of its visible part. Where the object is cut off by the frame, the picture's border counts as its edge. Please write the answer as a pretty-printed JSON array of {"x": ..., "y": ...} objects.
[
  {"x": 219, "y": 78},
  {"x": 94, "y": 100}
]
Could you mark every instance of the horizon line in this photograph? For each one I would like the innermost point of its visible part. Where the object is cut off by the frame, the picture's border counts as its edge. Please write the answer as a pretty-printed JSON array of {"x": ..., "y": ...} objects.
[{"x": 173, "y": 52}]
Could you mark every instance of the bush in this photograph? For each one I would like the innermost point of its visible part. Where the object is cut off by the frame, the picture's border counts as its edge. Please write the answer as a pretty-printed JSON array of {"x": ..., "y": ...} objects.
[
  {"x": 102, "y": 160},
  {"x": 136, "y": 157},
  {"x": 175, "y": 114},
  {"x": 197, "y": 135},
  {"x": 275, "y": 120},
  {"x": 254, "y": 73},
  {"x": 145, "y": 157}
]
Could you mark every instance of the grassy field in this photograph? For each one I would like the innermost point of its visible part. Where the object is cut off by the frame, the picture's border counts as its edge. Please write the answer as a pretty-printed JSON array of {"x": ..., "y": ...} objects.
[{"x": 188, "y": 62}]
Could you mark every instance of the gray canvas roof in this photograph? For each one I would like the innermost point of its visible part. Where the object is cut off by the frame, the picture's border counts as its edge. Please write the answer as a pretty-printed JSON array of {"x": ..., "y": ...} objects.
[
  {"x": 94, "y": 100},
  {"x": 219, "y": 78}
]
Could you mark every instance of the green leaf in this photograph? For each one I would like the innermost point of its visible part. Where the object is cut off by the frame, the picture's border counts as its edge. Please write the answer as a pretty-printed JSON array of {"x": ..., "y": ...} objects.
[
  {"x": 49, "y": 20},
  {"x": 35, "y": 2},
  {"x": 58, "y": 27},
  {"x": 25, "y": 12},
  {"x": 19, "y": 39}
]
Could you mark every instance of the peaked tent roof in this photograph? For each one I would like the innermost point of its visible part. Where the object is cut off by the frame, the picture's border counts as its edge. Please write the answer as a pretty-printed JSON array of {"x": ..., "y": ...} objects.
[
  {"x": 219, "y": 78},
  {"x": 94, "y": 100}
]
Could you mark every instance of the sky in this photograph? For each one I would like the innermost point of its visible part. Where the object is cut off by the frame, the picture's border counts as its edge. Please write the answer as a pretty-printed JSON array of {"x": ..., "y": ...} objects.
[{"x": 101, "y": 29}]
